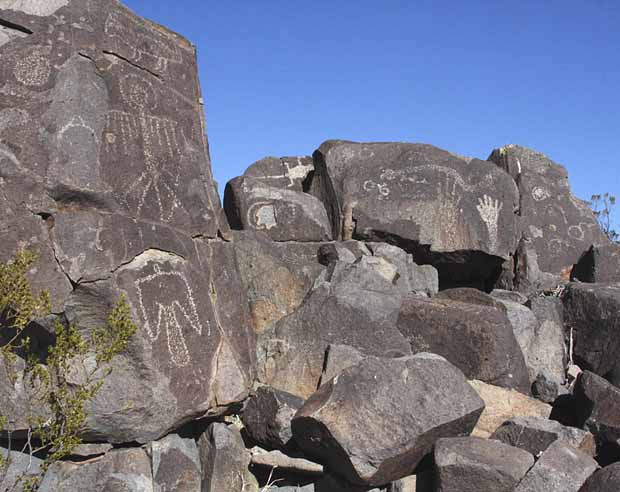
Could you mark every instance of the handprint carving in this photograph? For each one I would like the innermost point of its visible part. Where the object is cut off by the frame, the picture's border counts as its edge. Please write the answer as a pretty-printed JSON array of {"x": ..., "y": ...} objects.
[{"x": 489, "y": 210}]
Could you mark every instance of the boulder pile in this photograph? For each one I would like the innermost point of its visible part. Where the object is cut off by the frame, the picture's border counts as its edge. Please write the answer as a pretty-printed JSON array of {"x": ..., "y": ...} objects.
[{"x": 373, "y": 317}]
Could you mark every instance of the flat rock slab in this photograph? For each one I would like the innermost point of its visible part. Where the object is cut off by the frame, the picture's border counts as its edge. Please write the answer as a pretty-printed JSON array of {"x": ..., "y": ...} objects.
[
  {"x": 175, "y": 464},
  {"x": 473, "y": 464},
  {"x": 419, "y": 195},
  {"x": 600, "y": 264},
  {"x": 502, "y": 404},
  {"x": 561, "y": 468},
  {"x": 536, "y": 434},
  {"x": 374, "y": 422},
  {"x": 475, "y": 337},
  {"x": 559, "y": 226},
  {"x": 592, "y": 311}
]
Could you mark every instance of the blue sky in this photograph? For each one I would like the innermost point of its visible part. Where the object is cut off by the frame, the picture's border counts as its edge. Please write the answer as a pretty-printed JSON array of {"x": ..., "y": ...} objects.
[{"x": 279, "y": 77}]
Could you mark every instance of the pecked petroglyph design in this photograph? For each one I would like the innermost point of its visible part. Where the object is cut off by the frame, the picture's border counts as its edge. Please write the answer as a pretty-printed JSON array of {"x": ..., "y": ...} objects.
[
  {"x": 539, "y": 193},
  {"x": 166, "y": 304},
  {"x": 142, "y": 43},
  {"x": 292, "y": 174},
  {"x": 489, "y": 210},
  {"x": 33, "y": 70},
  {"x": 262, "y": 216},
  {"x": 158, "y": 139}
]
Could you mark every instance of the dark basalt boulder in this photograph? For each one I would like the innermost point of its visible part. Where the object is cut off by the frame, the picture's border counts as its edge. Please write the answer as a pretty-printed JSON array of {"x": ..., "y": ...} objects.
[
  {"x": 455, "y": 214},
  {"x": 106, "y": 174},
  {"x": 558, "y": 226},
  {"x": 474, "y": 336},
  {"x": 600, "y": 264},
  {"x": 592, "y": 314},
  {"x": 604, "y": 480},
  {"x": 175, "y": 464},
  {"x": 374, "y": 422},
  {"x": 473, "y": 464}
]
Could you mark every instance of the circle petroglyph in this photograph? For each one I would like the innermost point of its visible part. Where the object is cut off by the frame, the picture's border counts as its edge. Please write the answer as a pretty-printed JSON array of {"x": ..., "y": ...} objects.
[
  {"x": 138, "y": 93},
  {"x": 33, "y": 70},
  {"x": 539, "y": 194}
]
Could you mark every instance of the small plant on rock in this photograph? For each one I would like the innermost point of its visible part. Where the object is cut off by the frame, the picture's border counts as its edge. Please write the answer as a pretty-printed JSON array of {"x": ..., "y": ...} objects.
[
  {"x": 67, "y": 379},
  {"x": 603, "y": 206}
]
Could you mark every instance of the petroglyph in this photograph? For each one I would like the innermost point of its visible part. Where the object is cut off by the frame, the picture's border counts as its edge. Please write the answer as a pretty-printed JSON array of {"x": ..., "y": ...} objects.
[
  {"x": 489, "y": 210},
  {"x": 262, "y": 216},
  {"x": 539, "y": 194},
  {"x": 33, "y": 70},
  {"x": 142, "y": 43},
  {"x": 382, "y": 188},
  {"x": 166, "y": 303},
  {"x": 158, "y": 139}
]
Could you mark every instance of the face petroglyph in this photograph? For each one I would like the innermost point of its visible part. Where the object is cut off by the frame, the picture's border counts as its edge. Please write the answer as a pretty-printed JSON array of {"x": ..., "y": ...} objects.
[
  {"x": 166, "y": 304},
  {"x": 262, "y": 216}
]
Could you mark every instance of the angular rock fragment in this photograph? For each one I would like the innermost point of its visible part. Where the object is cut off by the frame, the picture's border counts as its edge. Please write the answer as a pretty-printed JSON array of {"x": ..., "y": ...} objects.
[
  {"x": 558, "y": 226},
  {"x": 225, "y": 461},
  {"x": 597, "y": 404},
  {"x": 455, "y": 214},
  {"x": 466, "y": 464},
  {"x": 374, "y": 422},
  {"x": 121, "y": 469},
  {"x": 536, "y": 434},
  {"x": 337, "y": 359},
  {"x": 600, "y": 264},
  {"x": 284, "y": 463},
  {"x": 176, "y": 464},
  {"x": 592, "y": 314},
  {"x": 561, "y": 468},
  {"x": 604, "y": 480},
  {"x": 354, "y": 306},
  {"x": 476, "y": 338},
  {"x": 16, "y": 467},
  {"x": 267, "y": 416},
  {"x": 502, "y": 404}
]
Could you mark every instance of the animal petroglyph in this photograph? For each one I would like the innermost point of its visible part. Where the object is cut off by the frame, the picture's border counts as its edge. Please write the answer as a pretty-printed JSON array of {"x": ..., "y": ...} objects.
[
  {"x": 158, "y": 139},
  {"x": 33, "y": 70},
  {"x": 489, "y": 210},
  {"x": 166, "y": 304},
  {"x": 140, "y": 42},
  {"x": 262, "y": 216}
]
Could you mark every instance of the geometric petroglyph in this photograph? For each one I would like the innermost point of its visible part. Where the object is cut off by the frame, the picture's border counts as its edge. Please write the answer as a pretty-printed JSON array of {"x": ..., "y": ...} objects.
[
  {"x": 166, "y": 303},
  {"x": 539, "y": 193},
  {"x": 142, "y": 43},
  {"x": 33, "y": 70},
  {"x": 158, "y": 139},
  {"x": 489, "y": 210},
  {"x": 262, "y": 216}
]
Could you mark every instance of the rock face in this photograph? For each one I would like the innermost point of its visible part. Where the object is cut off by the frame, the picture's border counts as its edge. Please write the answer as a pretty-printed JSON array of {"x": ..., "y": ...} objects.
[
  {"x": 605, "y": 480},
  {"x": 558, "y": 226},
  {"x": 476, "y": 338},
  {"x": 536, "y": 434},
  {"x": 561, "y": 468},
  {"x": 18, "y": 466},
  {"x": 473, "y": 464},
  {"x": 454, "y": 214},
  {"x": 593, "y": 314},
  {"x": 175, "y": 464},
  {"x": 599, "y": 264},
  {"x": 270, "y": 198},
  {"x": 106, "y": 174},
  {"x": 356, "y": 306},
  {"x": 376, "y": 420}
]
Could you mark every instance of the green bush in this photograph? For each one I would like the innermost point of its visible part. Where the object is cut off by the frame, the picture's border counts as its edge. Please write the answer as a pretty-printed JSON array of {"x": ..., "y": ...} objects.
[{"x": 55, "y": 436}]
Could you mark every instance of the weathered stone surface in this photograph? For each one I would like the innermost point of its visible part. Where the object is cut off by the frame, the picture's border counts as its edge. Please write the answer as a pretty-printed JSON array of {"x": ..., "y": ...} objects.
[
  {"x": 337, "y": 359},
  {"x": 604, "y": 480},
  {"x": 536, "y": 434},
  {"x": 376, "y": 420},
  {"x": 422, "y": 481},
  {"x": 473, "y": 464},
  {"x": 283, "y": 214},
  {"x": 592, "y": 313},
  {"x": 502, "y": 404},
  {"x": 561, "y": 468},
  {"x": 91, "y": 450},
  {"x": 175, "y": 464},
  {"x": 283, "y": 173},
  {"x": 354, "y": 305},
  {"x": 225, "y": 461},
  {"x": 18, "y": 465},
  {"x": 121, "y": 469},
  {"x": 454, "y": 214},
  {"x": 509, "y": 295},
  {"x": 267, "y": 416},
  {"x": 476, "y": 338},
  {"x": 600, "y": 264},
  {"x": 559, "y": 226},
  {"x": 597, "y": 404},
  {"x": 283, "y": 462},
  {"x": 528, "y": 276},
  {"x": 191, "y": 354}
]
